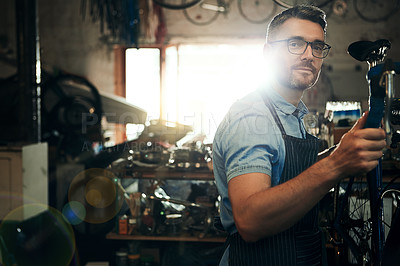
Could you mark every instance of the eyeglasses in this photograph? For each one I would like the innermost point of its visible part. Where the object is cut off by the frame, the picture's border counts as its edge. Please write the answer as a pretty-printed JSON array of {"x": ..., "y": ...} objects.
[{"x": 299, "y": 46}]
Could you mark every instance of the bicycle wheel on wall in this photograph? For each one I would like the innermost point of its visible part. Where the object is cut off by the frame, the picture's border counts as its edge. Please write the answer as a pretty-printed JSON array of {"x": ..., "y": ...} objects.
[
  {"x": 291, "y": 3},
  {"x": 375, "y": 11},
  {"x": 202, "y": 14},
  {"x": 177, "y": 4},
  {"x": 257, "y": 11}
]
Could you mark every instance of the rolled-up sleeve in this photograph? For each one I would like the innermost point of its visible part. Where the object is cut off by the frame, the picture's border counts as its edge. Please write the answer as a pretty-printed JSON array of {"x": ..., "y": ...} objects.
[
  {"x": 247, "y": 141},
  {"x": 250, "y": 144}
]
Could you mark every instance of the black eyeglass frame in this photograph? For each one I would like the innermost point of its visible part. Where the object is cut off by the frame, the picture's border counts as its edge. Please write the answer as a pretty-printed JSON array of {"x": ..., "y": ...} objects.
[{"x": 326, "y": 46}]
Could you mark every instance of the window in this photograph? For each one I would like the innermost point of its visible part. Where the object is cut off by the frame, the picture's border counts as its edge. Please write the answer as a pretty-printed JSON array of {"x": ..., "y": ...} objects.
[
  {"x": 143, "y": 84},
  {"x": 143, "y": 79},
  {"x": 200, "y": 82}
]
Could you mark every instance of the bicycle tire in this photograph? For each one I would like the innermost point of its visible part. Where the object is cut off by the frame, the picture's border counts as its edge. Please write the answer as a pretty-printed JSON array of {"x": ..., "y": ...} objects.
[
  {"x": 353, "y": 221},
  {"x": 257, "y": 13},
  {"x": 391, "y": 252},
  {"x": 292, "y": 3},
  {"x": 373, "y": 12},
  {"x": 62, "y": 89},
  {"x": 396, "y": 209},
  {"x": 176, "y": 4},
  {"x": 200, "y": 16}
]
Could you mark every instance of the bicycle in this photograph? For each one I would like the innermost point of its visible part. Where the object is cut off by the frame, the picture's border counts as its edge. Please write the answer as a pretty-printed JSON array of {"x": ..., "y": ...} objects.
[
  {"x": 204, "y": 12},
  {"x": 359, "y": 221},
  {"x": 368, "y": 10}
]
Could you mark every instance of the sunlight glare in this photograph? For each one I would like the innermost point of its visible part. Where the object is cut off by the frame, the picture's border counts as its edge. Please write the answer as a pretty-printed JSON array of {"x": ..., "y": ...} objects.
[
  {"x": 143, "y": 79},
  {"x": 209, "y": 79},
  {"x": 200, "y": 84}
]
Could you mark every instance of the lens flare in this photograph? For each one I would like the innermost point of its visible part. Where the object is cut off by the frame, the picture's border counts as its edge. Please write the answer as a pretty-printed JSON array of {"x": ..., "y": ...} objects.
[
  {"x": 36, "y": 234},
  {"x": 98, "y": 195},
  {"x": 74, "y": 212},
  {"x": 100, "y": 192}
]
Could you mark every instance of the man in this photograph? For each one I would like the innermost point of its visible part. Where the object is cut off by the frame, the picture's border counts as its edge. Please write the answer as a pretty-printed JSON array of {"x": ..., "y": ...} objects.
[{"x": 264, "y": 160}]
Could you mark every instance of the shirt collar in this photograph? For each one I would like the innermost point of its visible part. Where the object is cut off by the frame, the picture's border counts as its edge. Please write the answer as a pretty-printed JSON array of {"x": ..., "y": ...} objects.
[{"x": 287, "y": 108}]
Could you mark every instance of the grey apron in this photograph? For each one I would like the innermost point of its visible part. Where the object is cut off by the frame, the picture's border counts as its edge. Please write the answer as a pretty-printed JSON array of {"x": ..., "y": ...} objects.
[{"x": 298, "y": 245}]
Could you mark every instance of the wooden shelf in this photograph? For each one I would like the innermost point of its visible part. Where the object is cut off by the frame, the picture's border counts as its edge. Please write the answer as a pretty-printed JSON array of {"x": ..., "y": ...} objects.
[
  {"x": 390, "y": 170},
  {"x": 163, "y": 172},
  {"x": 180, "y": 238}
]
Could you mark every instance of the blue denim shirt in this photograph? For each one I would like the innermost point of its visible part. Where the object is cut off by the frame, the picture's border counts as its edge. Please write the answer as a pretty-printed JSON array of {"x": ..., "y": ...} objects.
[{"x": 248, "y": 140}]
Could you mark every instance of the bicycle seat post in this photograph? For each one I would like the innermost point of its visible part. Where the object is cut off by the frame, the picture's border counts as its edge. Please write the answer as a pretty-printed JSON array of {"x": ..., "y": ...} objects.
[{"x": 387, "y": 81}]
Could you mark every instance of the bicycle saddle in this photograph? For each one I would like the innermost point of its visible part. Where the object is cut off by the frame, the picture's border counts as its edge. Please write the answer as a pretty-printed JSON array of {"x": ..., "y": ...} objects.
[{"x": 362, "y": 50}]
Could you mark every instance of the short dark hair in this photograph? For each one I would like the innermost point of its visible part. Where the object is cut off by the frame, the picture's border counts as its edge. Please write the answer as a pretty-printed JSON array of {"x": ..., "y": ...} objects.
[{"x": 307, "y": 12}]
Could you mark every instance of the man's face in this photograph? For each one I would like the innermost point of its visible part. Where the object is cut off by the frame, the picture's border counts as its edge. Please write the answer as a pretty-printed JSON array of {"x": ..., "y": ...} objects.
[{"x": 297, "y": 72}]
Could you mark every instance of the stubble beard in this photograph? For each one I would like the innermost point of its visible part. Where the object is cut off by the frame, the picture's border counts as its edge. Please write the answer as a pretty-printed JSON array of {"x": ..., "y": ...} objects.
[
  {"x": 289, "y": 80},
  {"x": 298, "y": 84}
]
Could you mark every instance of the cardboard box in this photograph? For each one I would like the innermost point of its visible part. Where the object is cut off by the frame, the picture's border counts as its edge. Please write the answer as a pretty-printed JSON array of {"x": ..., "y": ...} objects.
[
  {"x": 338, "y": 132},
  {"x": 123, "y": 226}
]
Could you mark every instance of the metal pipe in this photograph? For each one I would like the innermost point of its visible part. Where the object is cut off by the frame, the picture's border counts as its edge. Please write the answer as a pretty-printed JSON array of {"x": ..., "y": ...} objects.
[{"x": 28, "y": 63}]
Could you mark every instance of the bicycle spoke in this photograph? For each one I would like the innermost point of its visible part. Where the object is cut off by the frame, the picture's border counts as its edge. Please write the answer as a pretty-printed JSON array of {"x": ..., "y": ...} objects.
[
  {"x": 355, "y": 226},
  {"x": 354, "y": 223}
]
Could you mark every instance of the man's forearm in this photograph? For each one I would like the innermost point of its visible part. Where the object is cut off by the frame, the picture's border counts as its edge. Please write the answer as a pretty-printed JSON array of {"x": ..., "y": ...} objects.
[
  {"x": 325, "y": 153},
  {"x": 275, "y": 209}
]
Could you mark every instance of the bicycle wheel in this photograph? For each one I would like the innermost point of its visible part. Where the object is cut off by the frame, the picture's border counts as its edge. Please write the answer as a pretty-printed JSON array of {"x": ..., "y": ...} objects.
[
  {"x": 256, "y": 11},
  {"x": 353, "y": 221},
  {"x": 177, "y": 4},
  {"x": 291, "y": 3},
  {"x": 202, "y": 14},
  {"x": 391, "y": 252},
  {"x": 375, "y": 11}
]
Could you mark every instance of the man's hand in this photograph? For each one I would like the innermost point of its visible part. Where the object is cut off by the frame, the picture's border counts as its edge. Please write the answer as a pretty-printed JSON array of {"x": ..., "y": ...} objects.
[{"x": 359, "y": 149}]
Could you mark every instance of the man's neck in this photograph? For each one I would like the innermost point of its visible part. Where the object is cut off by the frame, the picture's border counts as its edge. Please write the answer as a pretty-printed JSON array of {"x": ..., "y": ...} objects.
[{"x": 290, "y": 95}]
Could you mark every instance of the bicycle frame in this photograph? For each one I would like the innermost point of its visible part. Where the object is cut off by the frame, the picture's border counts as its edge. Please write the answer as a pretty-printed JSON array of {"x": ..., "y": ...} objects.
[
  {"x": 381, "y": 93},
  {"x": 380, "y": 77}
]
